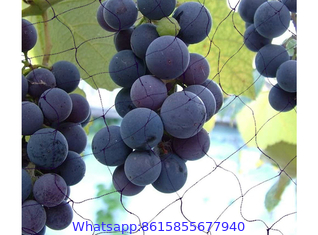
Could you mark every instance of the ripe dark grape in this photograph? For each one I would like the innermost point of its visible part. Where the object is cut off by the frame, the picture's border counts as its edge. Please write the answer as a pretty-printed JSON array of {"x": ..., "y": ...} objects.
[
  {"x": 141, "y": 129},
  {"x": 197, "y": 71},
  {"x": 33, "y": 217},
  {"x": 29, "y": 35},
  {"x": 291, "y": 5},
  {"x": 183, "y": 114},
  {"x": 75, "y": 136},
  {"x": 148, "y": 92},
  {"x": 80, "y": 109},
  {"x": 108, "y": 146},
  {"x": 47, "y": 148},
  {"x": 272, "y": 19},
  {"x": 123, "y": 185},
  {"x": 32, "y": 118},
  {"x": 120, "y": 15},
  {"x": 72, "y": 169},
  {"x": 125, "y": 67},
  {"x": 123, "y": 102},
  {"x": 25, "y": 87},
  {"x": 142, "y": 167},
  {"x": 56, "y": 105},
  {"x": 216, "y": 91},
  {"x": 281, "y": 100},
  {"x": 59, "y": 217},
  {"x": 192, "y": 148},
  {"x": 287, "y": 76},
  {"x": 170, "y": 53},
  {"x": 122, "y": 39},
  {"x": 195, "y": 21},
  {"x": 100, "y": 18},
  {"x": 49, "y": 189},
  {"x": 247, "y": 9},
  {"x": 156, "y": 9},
  {"x": 40, "y": 80},
  {"x": 26, "y": 185},
  {"x": 66, "y": 75},
  {"x": 173, "y": 174},
  {"x": 207, "y": 98},
  {"x": 253, "y": 40},
  {"x": 269, "y": 58},
  {"x": 141, "y": 38}
]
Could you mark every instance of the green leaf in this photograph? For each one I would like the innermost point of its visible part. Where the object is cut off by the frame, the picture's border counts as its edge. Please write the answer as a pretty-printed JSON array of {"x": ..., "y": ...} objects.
[
  {"x": 262, "y": 126},
  {"x": 38, "y": 7},
  {"x": 77, "y": 37},
  {"x": 230, "y": 61},
  {"x": 273, "y": 196}
]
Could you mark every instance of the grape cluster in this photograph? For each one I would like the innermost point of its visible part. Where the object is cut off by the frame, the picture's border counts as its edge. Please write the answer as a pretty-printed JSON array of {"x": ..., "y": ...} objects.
[
  {"x": 266, "y": 20},
  {"x": 166, "y": 96},
  {"x": 52, "y": 140}
]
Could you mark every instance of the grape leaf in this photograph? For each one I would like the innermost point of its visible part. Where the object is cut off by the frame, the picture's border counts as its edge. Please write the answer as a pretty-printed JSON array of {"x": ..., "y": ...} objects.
[
  {"x": 262, "y": 126},
  {"x": 76, "y": 36},
  {"x": 230, "y": 61}
]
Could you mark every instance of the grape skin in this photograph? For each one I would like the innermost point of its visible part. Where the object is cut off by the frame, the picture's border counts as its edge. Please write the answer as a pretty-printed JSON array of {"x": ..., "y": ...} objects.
[
  {"x": 272, "y": 19},
  {"x": 29, "y": 36},
  {"x": 80, "y": 108},
  {"x": 122, "y": 39},
  {"x": 173, "y": 174},
  {"x": 47, "y": 148},
  {"x": 40, "y": 80},
  {"x": 247, "y": 9},
  {"x": 287, "y": 76},
  {"x": 33, "y": 217},
  {"x": 216, "y": 91},
  {"x": 32, "y": 118},
  {"x": 183, "y": 114},
  {"x": 156, "y": 9},
  {"x": 281, "y": 100},
  {"x": 59, "y": 217},
  {"x": 100, "y": 18},
  {"x": 25, "y": 87},
  {"x": 291, "y": 5},
  {"x": 170, "y": 53},
  {"x": 26, "y": 185},
  {"x": 123, "y": 102},
  {"x": 195, "y": 22},
  {"x": 253, "y": 40},
  {"x": 141, "y": 129},
  {"x": 142, "y": 167}
]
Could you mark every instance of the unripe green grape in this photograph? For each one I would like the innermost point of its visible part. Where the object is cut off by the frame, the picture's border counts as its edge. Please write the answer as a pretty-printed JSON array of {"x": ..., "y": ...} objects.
[{"x": 168, "y": 26}]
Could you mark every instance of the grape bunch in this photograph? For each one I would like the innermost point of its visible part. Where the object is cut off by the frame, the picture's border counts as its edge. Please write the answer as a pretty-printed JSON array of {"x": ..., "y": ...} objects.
[
  {"x": 52, "y": 140},
  {"x": 165, "y": 97},
  {"x": 266, "y": 20}
]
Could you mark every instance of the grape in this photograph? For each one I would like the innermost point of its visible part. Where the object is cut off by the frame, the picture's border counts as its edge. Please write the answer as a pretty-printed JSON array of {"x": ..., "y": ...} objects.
[
  {"x": 173, "y": 174},
  {"x": 49, "y": 189},
  {"x": 192, "y": 148},
  {"x": 272, "y": 19},
  {"x": 33, "y": 217},
  {"x": 148, "y": 92},
  {"x": 59, "y": 217},
  {"x": 195, "y": 21},
  {"x": 281, "y": 100},
  {"x": 125, "y": 68},
  {"x": 216, "y": 91},
  {"x": 142, "y": 167},
  {"x": 25, "y": 87},
  {"x": 141, "y": 129},
  {"x": 108, "y": 146},
  {"x": 122, "y": 183},
  {"x": 40, "y": 80},
  {"x": 269, "y": 58},
  {"x": 291, "y": 5},
  {"x": 141, "y": 38},
  {"x": 168, "y": 26},
  {"x": 75, "y": 136},
  {"x": 123, "y": 102},
  {"x": 66, "y": 75},
  {"x": 29, "y": 36},
  {"x": 32, "y": 118},
  {"x": 170, "y": 53},
  {"x": 80, "y": 109},
  {"x": 253, "y": 40},
  {"x": 247, "y": 9},
  {"x": 72, "y": 169},
  {"x": 287, "y": 76},
  {"x": 122, "y": 39},
  {"x": 26, "y": 185},
  {"x": 197, "y": 71},
  {"x": 42, "y": 232},
  {"x": 183, "y": 114},
  {"x": 156, "y": 9},
  {"x": 121, "y": 14},
  {"x": 207, "y": 98},
  {"x": 100, "y": 18},
  {"x": 87, "y": 120},
  {"x": 47, "y": 148},
  {"x": 55, "y": 104}
]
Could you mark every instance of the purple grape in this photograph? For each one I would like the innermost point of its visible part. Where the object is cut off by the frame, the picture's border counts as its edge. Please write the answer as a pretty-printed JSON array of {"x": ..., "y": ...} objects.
[
  {"x": 33, "y": 217},
  {"x": 59, "y": 217},
  {"x": 40, "y": 80},
  {"x": 80, "y": 109},
  {"x": 32, "y": 118},
  {"x": 29, "y": 35}
]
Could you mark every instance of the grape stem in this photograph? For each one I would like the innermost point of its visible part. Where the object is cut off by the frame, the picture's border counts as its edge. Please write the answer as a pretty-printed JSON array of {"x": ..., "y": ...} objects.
[
  {"x": 294, "y": 19},
  {"x": 47, "y": 40}
]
